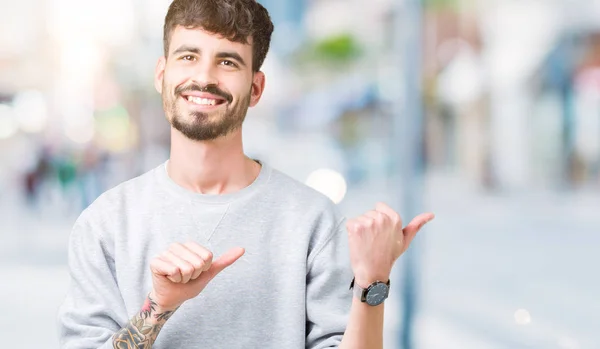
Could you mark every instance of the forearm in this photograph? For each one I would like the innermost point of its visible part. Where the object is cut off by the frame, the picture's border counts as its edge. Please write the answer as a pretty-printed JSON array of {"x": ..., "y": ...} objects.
[
  {"x": 142, "y": 330},
  {"x": 365, "y": 327}
]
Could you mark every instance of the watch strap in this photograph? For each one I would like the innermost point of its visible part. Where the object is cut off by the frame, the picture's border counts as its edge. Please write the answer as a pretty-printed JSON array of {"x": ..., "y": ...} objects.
[{"x": 358, "y": 291}]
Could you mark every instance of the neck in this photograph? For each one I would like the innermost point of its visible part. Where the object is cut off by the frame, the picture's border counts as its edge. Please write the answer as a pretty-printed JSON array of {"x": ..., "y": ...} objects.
[{"x": 211, "y": 167}]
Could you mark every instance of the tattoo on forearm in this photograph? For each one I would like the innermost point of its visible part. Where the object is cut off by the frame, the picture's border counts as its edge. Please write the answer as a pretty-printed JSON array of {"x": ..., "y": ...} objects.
[
  {"x": 164, "y": 316},
  {"x": 142, "y": 330}
]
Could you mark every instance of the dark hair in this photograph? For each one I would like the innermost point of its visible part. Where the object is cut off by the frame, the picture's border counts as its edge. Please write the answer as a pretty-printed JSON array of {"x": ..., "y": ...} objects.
[{"x": 235, "y": 20}]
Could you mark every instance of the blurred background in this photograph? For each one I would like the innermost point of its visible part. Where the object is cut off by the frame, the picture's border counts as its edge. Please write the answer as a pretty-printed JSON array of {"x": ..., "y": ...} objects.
[{"x": 486, "y": 112}]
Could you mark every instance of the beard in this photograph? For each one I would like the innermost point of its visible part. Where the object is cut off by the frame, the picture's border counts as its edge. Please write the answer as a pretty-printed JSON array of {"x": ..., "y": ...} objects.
[{"x": 203, "y": 126}]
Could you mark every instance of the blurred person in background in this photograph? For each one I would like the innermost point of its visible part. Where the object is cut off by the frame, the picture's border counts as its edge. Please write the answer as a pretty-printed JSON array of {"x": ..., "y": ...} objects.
[
  {"x": 142, "y": 255},
  {"x": 33, "y": 178},
  {"x": 92, "y": 166}
]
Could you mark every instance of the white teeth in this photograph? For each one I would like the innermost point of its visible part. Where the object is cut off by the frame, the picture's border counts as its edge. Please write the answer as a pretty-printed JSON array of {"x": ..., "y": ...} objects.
[{"x": 202, "y": 101}]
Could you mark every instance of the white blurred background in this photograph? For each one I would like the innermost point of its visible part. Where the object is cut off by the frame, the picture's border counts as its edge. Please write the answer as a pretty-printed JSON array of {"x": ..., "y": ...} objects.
[{"x": 486, "y": 112}]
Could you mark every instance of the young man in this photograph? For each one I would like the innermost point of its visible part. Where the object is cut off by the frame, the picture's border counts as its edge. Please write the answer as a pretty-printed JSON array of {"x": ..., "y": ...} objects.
[{"x": 147, "y": 258}]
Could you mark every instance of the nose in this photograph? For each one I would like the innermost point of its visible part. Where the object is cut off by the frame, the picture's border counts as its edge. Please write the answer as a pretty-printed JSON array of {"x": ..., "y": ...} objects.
[{"x": 205, "y": 74}]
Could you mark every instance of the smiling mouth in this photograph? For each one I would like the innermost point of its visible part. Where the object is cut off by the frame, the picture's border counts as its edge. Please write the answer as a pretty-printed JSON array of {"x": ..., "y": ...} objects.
[{"x": 204, "y": 101}]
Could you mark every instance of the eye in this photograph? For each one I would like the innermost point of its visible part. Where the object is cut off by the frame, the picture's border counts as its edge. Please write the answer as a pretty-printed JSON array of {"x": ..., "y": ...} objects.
[
  {"x": 228, "y": 63},
  {"x": 187, "y": 58}
]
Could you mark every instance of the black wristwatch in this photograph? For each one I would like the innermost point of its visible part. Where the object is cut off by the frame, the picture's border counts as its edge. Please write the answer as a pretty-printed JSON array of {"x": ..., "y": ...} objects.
[{"x": 375, "y": 294}]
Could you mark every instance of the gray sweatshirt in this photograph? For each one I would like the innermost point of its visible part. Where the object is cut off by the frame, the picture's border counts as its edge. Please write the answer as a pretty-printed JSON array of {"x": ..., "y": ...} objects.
[{"x": 288, "y": 291}]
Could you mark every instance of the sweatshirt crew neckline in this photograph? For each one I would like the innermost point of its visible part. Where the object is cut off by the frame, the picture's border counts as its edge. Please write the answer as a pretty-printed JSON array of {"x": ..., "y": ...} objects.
[{"x": 165, "y": 180}]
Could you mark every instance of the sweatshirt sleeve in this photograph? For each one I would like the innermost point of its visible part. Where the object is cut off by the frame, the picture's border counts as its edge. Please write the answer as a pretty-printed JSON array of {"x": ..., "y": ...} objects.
[
  {"x": 328, "y": 298},
  {"x": 93, "y": 309}
]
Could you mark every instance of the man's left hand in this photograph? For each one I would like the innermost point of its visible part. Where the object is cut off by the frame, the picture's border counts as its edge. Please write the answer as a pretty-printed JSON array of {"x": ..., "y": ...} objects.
[{"x": 376, "y": 241}]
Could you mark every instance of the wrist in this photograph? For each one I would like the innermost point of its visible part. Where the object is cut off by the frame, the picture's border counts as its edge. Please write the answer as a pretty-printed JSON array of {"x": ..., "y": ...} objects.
[
  {"x": 159, "y": 306},
  {"x": 366, "y": 281}
]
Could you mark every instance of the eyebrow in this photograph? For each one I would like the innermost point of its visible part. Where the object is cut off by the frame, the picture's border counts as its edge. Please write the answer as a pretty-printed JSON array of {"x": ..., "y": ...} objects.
[
  {"x": 224, "y": 54},
  {"x": 184, "y": 49}
]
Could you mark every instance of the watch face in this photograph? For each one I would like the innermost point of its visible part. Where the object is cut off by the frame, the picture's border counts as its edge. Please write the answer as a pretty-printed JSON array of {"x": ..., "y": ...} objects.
[{"x": 377, "y": 294}]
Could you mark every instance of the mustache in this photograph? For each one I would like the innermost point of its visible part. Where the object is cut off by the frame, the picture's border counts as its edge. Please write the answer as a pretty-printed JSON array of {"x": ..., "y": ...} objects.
[{"x": 212, "y": 89}]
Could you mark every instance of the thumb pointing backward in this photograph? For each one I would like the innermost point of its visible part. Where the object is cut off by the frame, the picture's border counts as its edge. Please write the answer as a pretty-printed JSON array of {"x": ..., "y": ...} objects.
[{"x": 226, "y": 259}]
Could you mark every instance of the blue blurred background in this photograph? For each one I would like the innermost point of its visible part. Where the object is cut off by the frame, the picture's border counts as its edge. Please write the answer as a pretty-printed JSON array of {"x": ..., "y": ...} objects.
[{"x": 486, "y": 112}]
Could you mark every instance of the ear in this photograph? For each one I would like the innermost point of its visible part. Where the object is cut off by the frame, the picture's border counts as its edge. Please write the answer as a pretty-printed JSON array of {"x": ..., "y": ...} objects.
[
  {"x": 159, "y": 74},
  {"x": 258, "y": 86}
]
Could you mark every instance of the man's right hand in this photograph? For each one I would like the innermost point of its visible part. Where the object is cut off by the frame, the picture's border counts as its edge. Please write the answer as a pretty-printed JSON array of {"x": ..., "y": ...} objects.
[{"x": 184, "y": 270}]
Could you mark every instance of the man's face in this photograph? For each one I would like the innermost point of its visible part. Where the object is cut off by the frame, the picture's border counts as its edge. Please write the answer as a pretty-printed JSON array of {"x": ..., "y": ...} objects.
[{"x": 207, "y": 83}]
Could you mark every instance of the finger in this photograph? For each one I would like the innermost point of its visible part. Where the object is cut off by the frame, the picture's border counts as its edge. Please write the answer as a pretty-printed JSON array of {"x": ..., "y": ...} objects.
[
  {"x": 186, "y": 269},
  {"x": 378, "y": 216},
  {"x": 388, "y": 211},
  {"x": 353, "y": 226},
  {"x": 364, "y": 223},
  {"x": 201, "y": 251},
  {"x": 411, "y": 230},
  {"x": 164, "y": 267},
  {"x": 227, "y": 259},
  {"x": 197, "y": 262},
  {"x": 161, "y": 267}
]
